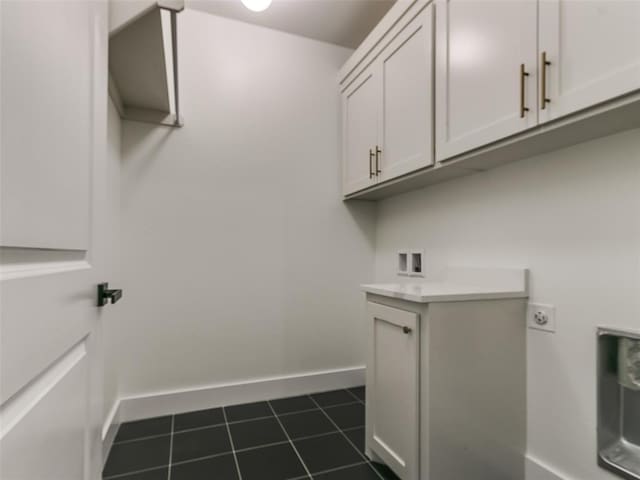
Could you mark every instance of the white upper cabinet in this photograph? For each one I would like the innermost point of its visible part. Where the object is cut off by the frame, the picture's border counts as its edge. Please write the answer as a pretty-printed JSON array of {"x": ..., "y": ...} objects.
[
  {"x": 387, "y": 108},
  {"x": 593, "y": 50},
  {"x": 479, "y": 82},
  {"x": 486, "y": 81},
  {"x": 406, "y": 72},
  {"x": 360, "y": 112}
]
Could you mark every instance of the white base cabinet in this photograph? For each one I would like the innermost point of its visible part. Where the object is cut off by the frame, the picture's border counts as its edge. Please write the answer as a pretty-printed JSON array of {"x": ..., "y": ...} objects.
[
  {"x": 446, "y": 388},
  {"x": 394, "y": 344}
]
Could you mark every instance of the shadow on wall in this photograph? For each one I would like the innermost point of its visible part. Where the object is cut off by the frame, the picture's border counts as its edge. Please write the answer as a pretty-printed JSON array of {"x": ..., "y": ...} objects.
[
  {"x": 364, "y": 214},
  {"x": 142, "y": 143}
]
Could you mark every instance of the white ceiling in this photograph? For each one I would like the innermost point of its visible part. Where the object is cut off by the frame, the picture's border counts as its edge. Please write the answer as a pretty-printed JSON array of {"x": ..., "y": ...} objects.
[{"x": 342, "y": 22}]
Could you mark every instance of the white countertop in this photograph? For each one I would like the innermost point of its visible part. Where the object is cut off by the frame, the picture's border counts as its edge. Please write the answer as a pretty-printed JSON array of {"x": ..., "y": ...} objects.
[{"x": 458, "y": 285}]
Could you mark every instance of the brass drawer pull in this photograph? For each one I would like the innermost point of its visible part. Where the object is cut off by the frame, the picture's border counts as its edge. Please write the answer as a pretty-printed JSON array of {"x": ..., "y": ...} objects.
[
  {"x": 371, "y": 174},
  {"x": 545, "y": 64},
  {"x": 523, "y": 75}
]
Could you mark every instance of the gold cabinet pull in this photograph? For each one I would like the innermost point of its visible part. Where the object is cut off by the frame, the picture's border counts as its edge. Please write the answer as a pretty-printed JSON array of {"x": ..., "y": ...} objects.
[
  {"x": 378, "y": 152},
  {"x": 371, "y": 154},
  {"x": 523, "y": 75},
  {"x": 545, "y": 64}
]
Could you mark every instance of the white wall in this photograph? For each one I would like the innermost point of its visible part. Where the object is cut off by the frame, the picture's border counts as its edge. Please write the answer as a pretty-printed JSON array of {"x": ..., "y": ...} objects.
[
  {"x": 573, "y": 218},
  {"x": 240, "y": 260}
]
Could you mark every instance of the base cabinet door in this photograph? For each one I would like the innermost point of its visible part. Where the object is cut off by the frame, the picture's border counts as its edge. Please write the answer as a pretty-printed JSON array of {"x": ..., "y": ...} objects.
[
  {"x": 486, "y": 82},
  {"x": 360, "y": 108},
  {"x": 393, "y": 388},
  {"x": 406, "y": 72},
  {"x": 592, "y": 53}
]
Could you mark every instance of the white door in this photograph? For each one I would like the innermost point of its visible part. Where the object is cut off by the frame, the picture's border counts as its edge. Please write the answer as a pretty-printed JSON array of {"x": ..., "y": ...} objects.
[
  {"x": 407, "y": 107},
  {"x": 593, "y": 53},
  {"x": 486, "y": 58},
  {"x": 392, "y": 426},
  {"x": 360, "y": 111},
  {"x": 53, "y": 133}
]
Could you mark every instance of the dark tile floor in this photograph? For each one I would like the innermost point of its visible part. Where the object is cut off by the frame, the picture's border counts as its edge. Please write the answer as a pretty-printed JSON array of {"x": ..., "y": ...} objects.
[{"x": 319, "y": 436}]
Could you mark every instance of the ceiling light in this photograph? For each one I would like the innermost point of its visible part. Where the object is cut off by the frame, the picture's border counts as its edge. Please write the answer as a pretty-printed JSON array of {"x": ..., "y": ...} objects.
[{"x": 256, "y": 5}]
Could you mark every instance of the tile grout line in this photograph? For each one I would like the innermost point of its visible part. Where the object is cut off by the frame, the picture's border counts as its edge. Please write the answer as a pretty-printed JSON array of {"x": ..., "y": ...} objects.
[
  {"x": 204, "y": 427},
  {"x": 233, "y": 448},
  {"x": 346, "y": 437},
  {"x": 335, "y": 469},
  {"x": 227, "y": 424},
  {"x": 304, "y": 465},
  {"x": 354, "y": 396},
  {"x": 239, "y": 450},
  {"x": 148, "y": 437},
  {"x": 173, "y": 420},
  {"x": 115, "y": 476}
]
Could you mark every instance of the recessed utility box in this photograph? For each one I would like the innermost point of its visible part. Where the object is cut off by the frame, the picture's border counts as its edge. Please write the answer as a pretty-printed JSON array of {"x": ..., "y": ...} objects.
[{"x": 619, "y": 402}]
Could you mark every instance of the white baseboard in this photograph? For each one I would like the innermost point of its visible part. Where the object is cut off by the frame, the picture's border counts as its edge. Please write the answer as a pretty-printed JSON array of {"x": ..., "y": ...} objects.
[
  {"x": 536, "y": 470},
  {"x": 184, "y": 400},
  {"x": 110, "y": 429}
]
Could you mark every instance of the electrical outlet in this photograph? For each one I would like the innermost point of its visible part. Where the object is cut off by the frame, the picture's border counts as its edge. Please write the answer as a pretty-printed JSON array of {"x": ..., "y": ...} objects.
[
  {"x": 416, "y": 268},
  {"x": 403, "y": 263},
  {"x": 541, "y": 317}
]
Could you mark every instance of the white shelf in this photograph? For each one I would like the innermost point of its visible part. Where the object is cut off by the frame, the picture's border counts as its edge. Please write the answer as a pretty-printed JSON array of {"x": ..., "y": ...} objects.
[{"x": 143, "y": 80}]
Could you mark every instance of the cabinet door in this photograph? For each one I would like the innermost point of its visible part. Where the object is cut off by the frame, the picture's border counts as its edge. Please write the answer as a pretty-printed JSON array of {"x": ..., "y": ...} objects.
[
  {"x": 407, "y": 99},
  {"x": 481, "y": 94},
  {"x": 593, "y": 50},
  {"x": 360, "y": 107},
  {"x": 393, "y": 388}
]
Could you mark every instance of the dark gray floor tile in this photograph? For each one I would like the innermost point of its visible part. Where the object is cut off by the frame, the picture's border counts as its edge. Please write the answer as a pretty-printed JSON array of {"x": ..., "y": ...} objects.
[
  {"x": 359, "y": 392},
  {"x": 334, "y": 397},
  {"x": 222, "y": 467},
  {"x": 385, "y": 471},
  {"x": 292, "y": 404},
  {"x": 359, "y": 472},
  {"x": 137, "y": 455},
  {"x": 347, "y": 416},
  {"x": 248, "y": 411},
  {"x": 255, "y": 433},
  {"x": 277, "y": 462},
  {"x": 144, "y": 428},
  {"x": 306, "y": 424},
  {"x": 357, "y": 437},
  {"x": 155, "y": 474},
  {"x": 327, "y": 452},
  {"x": 200, "y": 443},
  {"x": 200, "y": 418}
]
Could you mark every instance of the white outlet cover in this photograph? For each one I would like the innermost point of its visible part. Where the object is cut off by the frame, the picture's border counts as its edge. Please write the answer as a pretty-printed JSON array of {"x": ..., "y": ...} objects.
[{"x": 541, "y": 317}]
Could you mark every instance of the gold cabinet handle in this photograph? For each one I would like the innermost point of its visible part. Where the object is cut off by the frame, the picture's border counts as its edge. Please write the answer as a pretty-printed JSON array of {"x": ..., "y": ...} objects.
[
  {"x": 378, "y": 152},
  {"x": 523, "y": 75},
  {"x": 371, "y": 154},
  {"x": 545, "y": 64}
]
